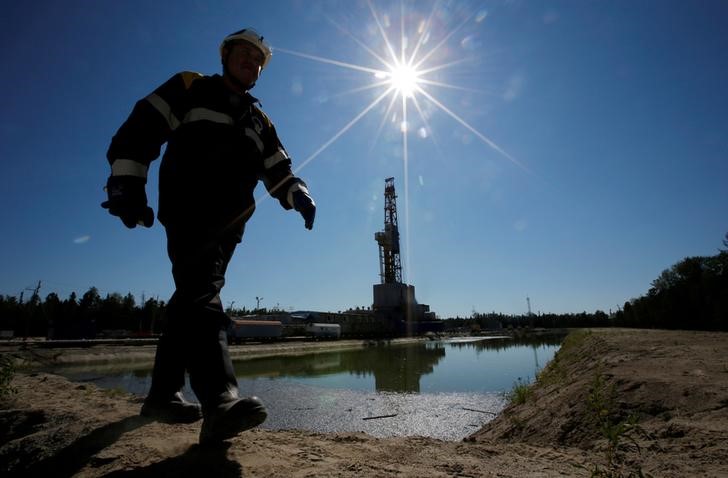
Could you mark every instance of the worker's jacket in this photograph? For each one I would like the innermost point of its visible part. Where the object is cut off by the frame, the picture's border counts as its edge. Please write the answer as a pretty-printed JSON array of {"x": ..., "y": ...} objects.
[{"x": 219, "y": 144}]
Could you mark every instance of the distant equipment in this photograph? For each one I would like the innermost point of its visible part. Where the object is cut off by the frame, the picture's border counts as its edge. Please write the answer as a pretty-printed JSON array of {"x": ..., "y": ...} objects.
[
  {"x": 394, "y": 302},
  {"x": 243, "y": 329},
  {"x": 323, "y": 331}
]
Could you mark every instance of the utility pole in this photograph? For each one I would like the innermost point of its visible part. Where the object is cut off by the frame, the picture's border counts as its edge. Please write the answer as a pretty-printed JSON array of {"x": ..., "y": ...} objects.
[{"x": 257, "y": 302}]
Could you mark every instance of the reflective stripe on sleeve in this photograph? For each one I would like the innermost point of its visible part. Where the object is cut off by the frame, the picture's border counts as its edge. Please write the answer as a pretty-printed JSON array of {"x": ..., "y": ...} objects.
[
  {"x": 254, "y": 136},
  {"x": 128, "y": 167},
  {"x": 274, "y": 159},
  {"x": 295, "y": 187},
  {"x": 164, "y": 109},
  {"x": 205, "y": 114}
]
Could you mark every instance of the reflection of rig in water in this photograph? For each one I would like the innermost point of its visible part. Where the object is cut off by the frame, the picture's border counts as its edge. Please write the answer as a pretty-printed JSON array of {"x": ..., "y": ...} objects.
[{"x": 396, "y": 368}]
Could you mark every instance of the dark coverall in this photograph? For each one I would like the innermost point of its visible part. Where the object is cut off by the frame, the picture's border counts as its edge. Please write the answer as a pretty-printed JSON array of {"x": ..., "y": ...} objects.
[{"x": 219, "y": 144}]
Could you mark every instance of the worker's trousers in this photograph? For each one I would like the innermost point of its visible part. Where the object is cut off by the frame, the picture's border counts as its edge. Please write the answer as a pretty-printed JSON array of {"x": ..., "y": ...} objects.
[{"x": 195, "y": 335}]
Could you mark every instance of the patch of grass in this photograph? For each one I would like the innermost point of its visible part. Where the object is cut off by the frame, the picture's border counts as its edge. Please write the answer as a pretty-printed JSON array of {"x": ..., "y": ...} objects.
[
  {"x": 619, "y": 432},
  {"x": 7, "y": 370},
  {"x": 520, "y": 392},
  {"x": 554, "y": 372}
]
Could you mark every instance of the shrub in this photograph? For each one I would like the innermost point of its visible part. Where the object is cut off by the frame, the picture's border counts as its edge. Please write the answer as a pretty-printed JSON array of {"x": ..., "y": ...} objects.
[{"x": 519, "y": 393}]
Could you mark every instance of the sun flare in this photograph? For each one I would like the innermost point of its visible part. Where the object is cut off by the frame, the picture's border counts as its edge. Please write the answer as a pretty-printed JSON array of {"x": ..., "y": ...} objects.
[
  {"x": 412, "y": 75},
  {"x": 404, "y": 79},
  {"x": 406, "y": 75}
]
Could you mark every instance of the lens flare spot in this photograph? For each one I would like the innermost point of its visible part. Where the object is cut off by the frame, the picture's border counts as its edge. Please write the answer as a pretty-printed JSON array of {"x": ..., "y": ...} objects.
[
  {"x": 297, "y": 87},
  {"x": 470, "y": 43},
  {"x": 422, "y": 27}
]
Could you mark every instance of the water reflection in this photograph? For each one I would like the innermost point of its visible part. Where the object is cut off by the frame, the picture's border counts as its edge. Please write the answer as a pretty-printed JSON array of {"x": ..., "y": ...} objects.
[
  {"x": 503, "y": 343},
  {"x": 537, "y": 342},
  {"x": 396, "y": 368},
  {"x": 401, "y": 368}
]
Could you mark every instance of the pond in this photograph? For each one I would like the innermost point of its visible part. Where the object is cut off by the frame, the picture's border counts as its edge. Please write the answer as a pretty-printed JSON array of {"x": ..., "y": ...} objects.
[{"x": 443, "y": 389}]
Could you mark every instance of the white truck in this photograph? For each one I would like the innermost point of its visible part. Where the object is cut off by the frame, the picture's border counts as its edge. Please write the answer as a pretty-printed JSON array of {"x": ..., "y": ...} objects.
[{"x": 323, "y": 331}]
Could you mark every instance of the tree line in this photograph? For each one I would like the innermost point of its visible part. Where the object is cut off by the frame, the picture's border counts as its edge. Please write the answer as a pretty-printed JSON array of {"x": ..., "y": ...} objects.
[
  {"x": 82, "y": 318},
  {"x": 495, "y": 320},
  {"x": 89, "y": 317},
  {"x": 692, "y": 294}
]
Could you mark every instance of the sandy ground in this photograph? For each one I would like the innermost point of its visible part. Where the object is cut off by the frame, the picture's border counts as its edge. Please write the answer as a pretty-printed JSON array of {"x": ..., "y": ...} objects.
[{"x": 661, "y": 396}]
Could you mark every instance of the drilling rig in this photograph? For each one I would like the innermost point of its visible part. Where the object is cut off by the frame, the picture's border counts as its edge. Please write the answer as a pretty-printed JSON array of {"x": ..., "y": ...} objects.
[
  {"x": 390, "y": 265},
  {"x": 394, "y": 301}
]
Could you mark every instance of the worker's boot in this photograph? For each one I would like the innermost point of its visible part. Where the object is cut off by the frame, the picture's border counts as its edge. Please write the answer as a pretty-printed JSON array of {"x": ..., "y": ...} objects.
[
  {"x": 230, "y": 417},
  {"x": 212, "y": 377},
  {"x": 165, "y": 402},
  {"x": 171, "y": 409}
]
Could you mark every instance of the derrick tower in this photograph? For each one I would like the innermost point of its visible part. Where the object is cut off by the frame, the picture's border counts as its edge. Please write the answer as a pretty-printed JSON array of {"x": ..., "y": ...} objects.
[
  {"x": 390, "y": 265},
  {"x": 394, "y": 301}
]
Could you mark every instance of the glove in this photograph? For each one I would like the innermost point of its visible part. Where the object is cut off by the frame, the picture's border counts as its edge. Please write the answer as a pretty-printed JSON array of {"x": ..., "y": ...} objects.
[
  {"x": 128, "y": 200},
  {"x": 303, "y": 203}
]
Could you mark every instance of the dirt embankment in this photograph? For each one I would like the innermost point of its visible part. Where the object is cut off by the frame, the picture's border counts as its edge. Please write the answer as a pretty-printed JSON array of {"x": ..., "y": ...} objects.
[{"x": 612, "y": 403}]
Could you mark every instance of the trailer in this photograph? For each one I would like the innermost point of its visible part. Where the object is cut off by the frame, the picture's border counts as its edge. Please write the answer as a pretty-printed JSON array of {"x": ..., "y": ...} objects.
[
  {"x": 241, "y": 329},
  {"x": 323, "y": 331}
]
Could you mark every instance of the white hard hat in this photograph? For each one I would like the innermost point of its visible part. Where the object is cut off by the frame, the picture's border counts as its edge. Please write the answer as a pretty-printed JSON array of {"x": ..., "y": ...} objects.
[{"x": 254, "y": 38}]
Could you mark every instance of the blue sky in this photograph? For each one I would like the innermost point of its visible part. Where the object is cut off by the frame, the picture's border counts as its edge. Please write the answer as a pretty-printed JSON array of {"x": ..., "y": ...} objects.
[{"x": 610, "y": 116}]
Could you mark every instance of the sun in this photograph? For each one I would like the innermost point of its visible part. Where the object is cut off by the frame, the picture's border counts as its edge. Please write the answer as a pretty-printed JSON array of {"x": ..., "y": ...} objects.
[{"x": 404, "y": 79}]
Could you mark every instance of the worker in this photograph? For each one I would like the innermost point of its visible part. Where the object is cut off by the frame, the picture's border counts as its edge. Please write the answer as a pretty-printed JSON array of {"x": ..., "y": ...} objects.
[{"x": 219, "y": 144}]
